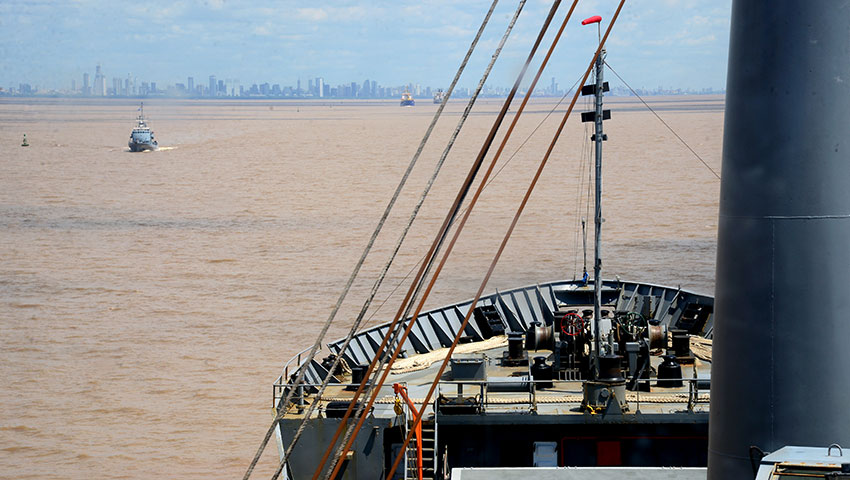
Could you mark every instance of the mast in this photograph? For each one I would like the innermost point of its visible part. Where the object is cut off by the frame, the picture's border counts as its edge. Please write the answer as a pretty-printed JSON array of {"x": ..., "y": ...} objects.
[
  {"x": 597, "y": 116},
  {"x": 597, "y": 221}
]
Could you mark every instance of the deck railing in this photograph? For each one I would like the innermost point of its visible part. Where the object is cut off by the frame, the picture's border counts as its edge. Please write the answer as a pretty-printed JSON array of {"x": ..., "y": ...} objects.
[
  {"x": 688, "y": 399},
  {"x": 282, "y": 381}
]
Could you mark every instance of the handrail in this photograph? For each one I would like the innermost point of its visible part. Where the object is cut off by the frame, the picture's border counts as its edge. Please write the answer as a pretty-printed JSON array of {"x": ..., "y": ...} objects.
[
  {"x": 535, "y": 392},
  {"x": 283, "y": 380},
  {"x": 297, "y": 358}
]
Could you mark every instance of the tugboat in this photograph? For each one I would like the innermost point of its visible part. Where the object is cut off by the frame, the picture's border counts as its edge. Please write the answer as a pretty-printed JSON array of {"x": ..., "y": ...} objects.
[
  {"x": 407, "y": 99},
  {"x": 438, "y": 97},
  {"x": 25, "y": 143},
  {"x": 141, "y": 138}
]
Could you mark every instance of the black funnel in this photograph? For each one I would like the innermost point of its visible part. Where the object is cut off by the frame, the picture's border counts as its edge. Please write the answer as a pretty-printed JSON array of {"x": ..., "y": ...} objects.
[{"x": 780, "y": 356}]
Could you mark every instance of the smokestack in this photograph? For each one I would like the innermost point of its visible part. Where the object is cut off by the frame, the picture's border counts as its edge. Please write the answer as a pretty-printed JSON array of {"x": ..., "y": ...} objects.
[{"x": 782, "y": 323}]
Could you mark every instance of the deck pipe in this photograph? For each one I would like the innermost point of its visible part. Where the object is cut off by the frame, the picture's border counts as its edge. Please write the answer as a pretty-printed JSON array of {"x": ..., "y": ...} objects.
[{"x": 782, "y": 325}]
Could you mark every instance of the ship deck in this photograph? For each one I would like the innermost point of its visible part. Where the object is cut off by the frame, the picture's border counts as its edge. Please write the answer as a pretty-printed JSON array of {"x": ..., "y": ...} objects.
[
  {"x": 492, "y": 409},
  {"x": 562, "y": 400}
]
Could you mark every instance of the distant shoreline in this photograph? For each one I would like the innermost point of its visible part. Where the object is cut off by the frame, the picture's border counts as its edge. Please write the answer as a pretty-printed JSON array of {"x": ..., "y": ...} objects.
[{"x": 623, "y": 103}]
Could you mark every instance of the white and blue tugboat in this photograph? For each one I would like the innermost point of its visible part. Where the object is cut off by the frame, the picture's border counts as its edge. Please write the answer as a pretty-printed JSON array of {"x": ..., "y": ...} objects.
[
  {"x": 141, "y": 138},
  {"x": 407, "y": 99}
]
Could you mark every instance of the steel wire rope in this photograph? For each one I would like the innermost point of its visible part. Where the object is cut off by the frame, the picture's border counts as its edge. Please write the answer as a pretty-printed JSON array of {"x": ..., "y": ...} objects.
[
  {"x": 704, "y": 163},
  {"x": 588, "y": 194},
  {"x": 421, "y": 275},
  {"x": 498, "y": 254},
  {"x": 454, "y": 238},
  {"x": 417, "y": 282},
  {"x": 317, "y": 345},
  {"x": 412, "y": 217},
  {"x": 579, "y": 221},
  {"x": 395, "y": 326}
]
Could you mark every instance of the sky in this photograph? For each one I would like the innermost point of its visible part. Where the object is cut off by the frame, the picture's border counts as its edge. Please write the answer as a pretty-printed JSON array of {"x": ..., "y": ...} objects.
[{"x": 655, "y": 43}]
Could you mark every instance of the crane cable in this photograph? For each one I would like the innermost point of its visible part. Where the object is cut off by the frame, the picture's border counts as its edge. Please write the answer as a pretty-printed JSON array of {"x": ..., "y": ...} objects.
[
  {"x": 441, "y": 235},
  {"x": 317, "y": 345},
  {"x": 355, "y": 326},
  {"x": 515, "y": 220},
  {"x": 459, "y": 228}
]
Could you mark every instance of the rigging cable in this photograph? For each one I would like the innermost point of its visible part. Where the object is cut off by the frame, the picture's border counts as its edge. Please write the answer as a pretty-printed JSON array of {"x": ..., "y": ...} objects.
[
  {"x": 355, "y": 326},
  {"x": 581, "y": 222},
  {"x": 452, "y": 242},
  {"x": 705, "y": 164},
  {"x": 418, "y": 416},
  {"x": 489, "y": 182},
  {"x": 418, "y": 281},
  {"x": 591, "y": 173},
  {"x": 317, "y": 345}
]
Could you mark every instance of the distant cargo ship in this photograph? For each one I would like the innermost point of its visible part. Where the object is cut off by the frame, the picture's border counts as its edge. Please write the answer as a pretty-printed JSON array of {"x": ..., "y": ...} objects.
[
  {"x": 141, "y": 138},
  {"x": 407, "y": 99}
]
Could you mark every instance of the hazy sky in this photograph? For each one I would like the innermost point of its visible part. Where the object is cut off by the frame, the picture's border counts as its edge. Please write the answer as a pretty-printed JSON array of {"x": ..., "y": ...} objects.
[{"x": 679, "y": 43}]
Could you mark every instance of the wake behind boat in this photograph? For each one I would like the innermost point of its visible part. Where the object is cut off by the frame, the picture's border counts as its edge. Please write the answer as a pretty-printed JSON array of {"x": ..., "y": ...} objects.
[{"x": 141, "y": 138}]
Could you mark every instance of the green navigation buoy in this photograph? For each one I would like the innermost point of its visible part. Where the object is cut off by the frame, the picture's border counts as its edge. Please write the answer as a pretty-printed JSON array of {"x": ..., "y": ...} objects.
[{"x": 24, "y": 143}]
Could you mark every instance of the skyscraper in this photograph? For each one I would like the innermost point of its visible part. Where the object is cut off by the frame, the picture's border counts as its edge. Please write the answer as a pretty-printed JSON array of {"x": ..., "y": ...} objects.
[
  {"x": 320, "y": 86},
  {"x": 191, "y": 85},
  {"x": 86, "y": 88},
  {"x": 99, "y": 83},
  {"x": 213, "y": 86}
]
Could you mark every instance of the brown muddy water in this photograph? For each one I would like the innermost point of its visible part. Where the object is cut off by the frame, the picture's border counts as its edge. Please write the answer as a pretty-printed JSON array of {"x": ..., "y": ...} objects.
[{"x": 149, "y": 300}]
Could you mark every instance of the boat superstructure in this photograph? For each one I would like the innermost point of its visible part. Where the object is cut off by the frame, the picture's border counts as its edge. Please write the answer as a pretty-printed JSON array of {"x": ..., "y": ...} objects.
[
  {"x": 142, "y": 137},
  {"x": 438, "y": 97}
]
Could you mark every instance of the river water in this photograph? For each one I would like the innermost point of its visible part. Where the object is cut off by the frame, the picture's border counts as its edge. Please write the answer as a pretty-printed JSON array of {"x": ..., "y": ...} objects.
[{"x": 149, "y": 300}]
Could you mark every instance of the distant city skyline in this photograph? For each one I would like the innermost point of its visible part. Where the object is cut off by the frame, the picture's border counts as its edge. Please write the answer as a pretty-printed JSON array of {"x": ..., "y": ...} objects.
[
  {"x": 675, "y": 43},
  {"x": 313, "y": 88}
]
